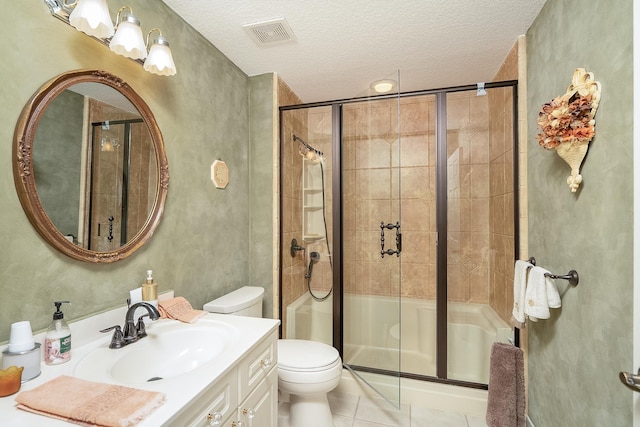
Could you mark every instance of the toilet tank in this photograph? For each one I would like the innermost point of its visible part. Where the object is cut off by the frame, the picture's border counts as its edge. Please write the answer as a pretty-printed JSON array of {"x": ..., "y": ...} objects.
[{"x": 246, "y": 301}]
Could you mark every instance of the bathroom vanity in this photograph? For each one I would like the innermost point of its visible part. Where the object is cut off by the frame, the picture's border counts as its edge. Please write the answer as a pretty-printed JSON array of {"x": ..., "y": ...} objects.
[
  {"x": 247, "y": 393},
  {"x": 219, "y": 371}
]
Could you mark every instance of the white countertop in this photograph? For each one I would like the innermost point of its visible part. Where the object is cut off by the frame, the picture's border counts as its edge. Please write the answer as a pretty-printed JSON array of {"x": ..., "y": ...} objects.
[{"x": 179, "y": 391}]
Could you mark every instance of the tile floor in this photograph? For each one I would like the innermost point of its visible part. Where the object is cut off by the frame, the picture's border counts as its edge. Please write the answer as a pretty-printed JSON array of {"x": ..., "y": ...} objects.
[{"x": 352, "y": 410}]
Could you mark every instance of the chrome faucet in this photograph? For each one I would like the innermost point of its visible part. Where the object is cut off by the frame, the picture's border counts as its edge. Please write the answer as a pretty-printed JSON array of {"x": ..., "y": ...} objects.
[{"x": 132, "y": 332}]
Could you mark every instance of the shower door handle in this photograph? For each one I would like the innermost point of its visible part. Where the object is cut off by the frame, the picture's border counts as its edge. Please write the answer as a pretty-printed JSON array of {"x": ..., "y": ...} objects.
[
  {"x": 398, "y": 248},
  {"x": 110, "y": 236}
]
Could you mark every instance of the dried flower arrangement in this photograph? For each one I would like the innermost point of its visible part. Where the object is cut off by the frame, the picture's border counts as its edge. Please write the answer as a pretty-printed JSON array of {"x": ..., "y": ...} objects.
[
  {"x": 565, "y": 119},
  {"x": 567, "y": 123}
]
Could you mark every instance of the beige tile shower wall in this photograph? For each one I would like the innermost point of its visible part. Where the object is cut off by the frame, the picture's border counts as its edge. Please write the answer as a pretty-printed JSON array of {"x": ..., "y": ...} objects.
[
  {"x": 418, "y": 163},
  {"x": 369, "y": 138},
  {"x": 314, "y": 126},
  {"x": 372, "y": 156},
  {"x": 285, "y": 96},
  {"x": 501, "y": 187},
  {"x": 501, "y": 212},
  {"x": 468, "y": 136},
  {"x": 293, "y": 122}
]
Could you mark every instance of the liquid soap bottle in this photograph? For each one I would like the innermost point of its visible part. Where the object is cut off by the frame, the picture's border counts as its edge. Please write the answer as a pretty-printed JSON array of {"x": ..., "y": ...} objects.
[
  {"x": 57, "y": 341},
  {"x": 150, "y": 290}
]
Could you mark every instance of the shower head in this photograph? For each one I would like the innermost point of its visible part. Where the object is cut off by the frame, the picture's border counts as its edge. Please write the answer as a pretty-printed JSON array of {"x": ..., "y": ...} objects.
[
  {"x": 307, "y": 151},
  {"x": 313, "y": 258}
]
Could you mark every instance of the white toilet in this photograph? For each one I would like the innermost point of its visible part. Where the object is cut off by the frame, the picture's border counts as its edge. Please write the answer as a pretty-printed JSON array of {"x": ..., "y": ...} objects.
[{"x": 307, "y": 370}]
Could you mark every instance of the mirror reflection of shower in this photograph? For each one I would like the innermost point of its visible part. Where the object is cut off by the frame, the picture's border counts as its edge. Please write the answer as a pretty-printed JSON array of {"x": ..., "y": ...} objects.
[
  {"x": 117, "y": 159},
  {"x": 314, "y": 158}
]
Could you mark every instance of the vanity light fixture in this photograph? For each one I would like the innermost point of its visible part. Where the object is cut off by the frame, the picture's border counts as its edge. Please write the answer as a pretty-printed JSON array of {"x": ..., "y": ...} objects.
[
  {"x": 92, "y": 18},
  {"x": 159, "y": 61},
  {"x": 128, "y": 40}
]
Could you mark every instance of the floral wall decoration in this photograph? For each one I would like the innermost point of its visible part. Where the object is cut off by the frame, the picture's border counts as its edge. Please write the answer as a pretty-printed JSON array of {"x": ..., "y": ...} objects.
[{"x": 568, "y": 125}]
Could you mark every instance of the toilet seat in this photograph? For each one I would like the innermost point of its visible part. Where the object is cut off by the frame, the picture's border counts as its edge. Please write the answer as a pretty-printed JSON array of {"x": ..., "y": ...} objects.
[{"x": 306, "y": 356}]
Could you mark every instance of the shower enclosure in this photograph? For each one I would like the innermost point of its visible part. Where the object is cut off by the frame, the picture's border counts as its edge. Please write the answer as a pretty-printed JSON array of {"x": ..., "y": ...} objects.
[
  {"x": 410, "y": 212},
  {"x": 120, "y": 159}
]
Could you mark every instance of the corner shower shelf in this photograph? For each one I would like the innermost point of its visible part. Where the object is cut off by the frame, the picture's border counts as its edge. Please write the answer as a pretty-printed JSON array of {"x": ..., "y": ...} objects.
[{"x": 312, "y": 201}]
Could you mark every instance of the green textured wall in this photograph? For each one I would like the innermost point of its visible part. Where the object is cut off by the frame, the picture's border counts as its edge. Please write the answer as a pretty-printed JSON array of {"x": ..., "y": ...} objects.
[
  {"x": 575, "y": 357},
  {"x": 262, "y": 125},
  {"x": 201, "y": 248}
]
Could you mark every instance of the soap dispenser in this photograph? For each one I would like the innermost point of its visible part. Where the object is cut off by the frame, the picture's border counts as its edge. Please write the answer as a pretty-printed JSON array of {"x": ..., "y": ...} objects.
[
  {"x": 150, "y": 290},
  {"x": 57, "y": 341}
]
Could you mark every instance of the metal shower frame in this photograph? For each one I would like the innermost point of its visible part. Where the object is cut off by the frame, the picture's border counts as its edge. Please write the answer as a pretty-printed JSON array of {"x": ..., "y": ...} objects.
[{"x": 441, "y": 218}]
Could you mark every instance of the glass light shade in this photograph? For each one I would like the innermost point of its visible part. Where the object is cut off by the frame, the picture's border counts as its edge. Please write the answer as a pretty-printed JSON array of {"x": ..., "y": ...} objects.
[
  {"x": 92, "y": 18},
  {"x": 160, "y": 60},
  {"x": 128, "y": 40}
]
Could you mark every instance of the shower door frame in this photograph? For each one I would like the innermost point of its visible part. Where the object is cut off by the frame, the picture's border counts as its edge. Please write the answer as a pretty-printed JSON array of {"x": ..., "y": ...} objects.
[{"x": 441, "y": 220}]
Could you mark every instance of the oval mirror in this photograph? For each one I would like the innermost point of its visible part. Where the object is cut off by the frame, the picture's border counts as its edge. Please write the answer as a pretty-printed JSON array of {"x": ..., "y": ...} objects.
[{"x": 90, "y": 167}]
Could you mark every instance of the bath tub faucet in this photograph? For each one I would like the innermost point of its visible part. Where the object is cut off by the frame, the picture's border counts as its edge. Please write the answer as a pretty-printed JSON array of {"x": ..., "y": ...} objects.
[{"x": 132, "y": 332}]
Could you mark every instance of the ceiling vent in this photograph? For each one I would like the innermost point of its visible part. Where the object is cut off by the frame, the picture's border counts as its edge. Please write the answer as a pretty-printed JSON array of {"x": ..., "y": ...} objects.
[{"x": 269, "y": 33}]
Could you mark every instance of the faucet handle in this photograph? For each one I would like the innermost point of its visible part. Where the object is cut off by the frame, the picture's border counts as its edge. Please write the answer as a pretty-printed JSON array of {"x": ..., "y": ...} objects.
[
  {"x": 117, "y": 340},
  {"x": 140, "y": 327}
]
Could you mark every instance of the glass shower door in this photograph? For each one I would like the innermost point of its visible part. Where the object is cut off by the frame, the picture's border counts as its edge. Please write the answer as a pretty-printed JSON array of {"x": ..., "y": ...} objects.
[
  {"x": 372, "y": 242},
  {"x": 480, "y": 227}
]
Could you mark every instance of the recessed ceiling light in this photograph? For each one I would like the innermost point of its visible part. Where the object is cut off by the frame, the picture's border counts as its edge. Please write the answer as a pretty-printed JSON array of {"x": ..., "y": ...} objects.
[{"x": 383, "y": 86}]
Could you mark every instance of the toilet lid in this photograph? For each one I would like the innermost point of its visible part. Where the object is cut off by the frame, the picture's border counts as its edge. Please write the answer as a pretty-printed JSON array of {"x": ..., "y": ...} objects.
[{"x": 305, "y": 355}]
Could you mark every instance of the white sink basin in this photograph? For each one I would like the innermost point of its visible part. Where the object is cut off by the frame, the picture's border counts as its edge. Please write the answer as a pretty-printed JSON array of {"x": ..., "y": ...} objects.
[{"x": 171, "y": 348}]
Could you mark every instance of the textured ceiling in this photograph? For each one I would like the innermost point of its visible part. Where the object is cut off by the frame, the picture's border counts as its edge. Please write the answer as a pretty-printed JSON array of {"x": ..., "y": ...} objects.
[{"x": 343, "y": 45}]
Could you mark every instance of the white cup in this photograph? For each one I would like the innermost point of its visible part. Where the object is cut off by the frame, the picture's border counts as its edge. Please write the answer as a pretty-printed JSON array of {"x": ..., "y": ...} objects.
[{"x": 21, "y": 338}]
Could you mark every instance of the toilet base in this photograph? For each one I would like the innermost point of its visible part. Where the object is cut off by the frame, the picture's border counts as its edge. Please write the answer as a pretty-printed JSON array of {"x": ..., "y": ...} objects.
[
  {"x": 305, "y": 411},
  {"x": 283, "y": 414}
]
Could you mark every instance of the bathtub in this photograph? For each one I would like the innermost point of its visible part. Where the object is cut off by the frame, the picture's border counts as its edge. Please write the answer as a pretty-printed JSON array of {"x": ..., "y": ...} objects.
[
  {"x": 310, "y": 320},
  {"x": 372, "y": 334}
]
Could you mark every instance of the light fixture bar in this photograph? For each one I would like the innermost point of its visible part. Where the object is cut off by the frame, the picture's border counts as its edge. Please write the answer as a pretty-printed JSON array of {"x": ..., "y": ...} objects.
[
  {"x": 161, "y": 62},
  {"x": 54, "y": 6},
  {"x": 61, "y": 12}
]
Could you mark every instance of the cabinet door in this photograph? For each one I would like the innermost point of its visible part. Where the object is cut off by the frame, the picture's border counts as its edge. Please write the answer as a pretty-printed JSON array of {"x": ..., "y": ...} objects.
[
  {"x": 260, "y": 409},
  {"x": 213, "y": 406},
  {"x": 257, "y": 364}
]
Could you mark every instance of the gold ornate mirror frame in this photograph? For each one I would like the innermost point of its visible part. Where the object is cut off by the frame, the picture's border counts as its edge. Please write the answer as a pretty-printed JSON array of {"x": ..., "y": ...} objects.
[{"x": 23, "y": 171}]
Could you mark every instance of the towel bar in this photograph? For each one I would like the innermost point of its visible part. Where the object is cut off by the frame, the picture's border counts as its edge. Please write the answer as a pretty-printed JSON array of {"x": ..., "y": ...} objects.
[{"x": 571, "y": 276}]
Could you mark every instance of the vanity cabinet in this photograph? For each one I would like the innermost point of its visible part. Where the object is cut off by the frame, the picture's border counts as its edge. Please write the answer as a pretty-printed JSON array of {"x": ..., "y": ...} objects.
[{"x": 246, "y": 396}]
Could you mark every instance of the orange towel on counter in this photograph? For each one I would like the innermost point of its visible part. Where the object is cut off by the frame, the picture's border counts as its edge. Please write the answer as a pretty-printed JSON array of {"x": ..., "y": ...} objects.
[
  {"x": 179, "y": 308},
  {"x": 89, "y": 403}
]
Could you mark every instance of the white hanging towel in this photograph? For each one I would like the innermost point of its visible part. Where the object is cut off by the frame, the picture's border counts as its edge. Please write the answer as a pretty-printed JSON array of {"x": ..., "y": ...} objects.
[
  {"x": 541, "y": 295},
  {"x": 519, "y": 289}
]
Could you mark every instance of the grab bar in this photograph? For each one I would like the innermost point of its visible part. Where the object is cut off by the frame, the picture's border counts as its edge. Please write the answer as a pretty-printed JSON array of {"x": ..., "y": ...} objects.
[{"x": 571, "y": 276}]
